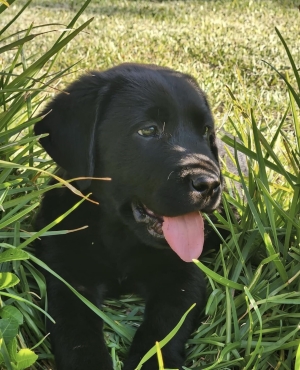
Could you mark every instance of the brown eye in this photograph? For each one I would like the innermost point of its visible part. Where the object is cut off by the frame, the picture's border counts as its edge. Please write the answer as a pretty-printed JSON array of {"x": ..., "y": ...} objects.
[{"x": 148, "y": 131}]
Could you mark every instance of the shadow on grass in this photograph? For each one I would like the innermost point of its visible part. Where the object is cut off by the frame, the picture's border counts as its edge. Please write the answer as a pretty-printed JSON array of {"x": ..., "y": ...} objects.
[{"x": 160, "y": 8}]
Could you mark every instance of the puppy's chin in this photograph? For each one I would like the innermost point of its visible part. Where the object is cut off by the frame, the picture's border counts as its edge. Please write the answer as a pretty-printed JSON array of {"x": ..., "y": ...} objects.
[{"x": 147, "y": 237}]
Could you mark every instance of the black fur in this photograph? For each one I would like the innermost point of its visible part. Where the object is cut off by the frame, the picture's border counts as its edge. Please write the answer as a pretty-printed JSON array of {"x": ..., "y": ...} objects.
[{"x": 94, "y": 131}]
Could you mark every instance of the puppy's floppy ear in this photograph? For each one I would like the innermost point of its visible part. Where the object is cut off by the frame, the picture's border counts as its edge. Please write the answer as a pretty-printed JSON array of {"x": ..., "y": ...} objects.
[{"x": 71, "y": 120}]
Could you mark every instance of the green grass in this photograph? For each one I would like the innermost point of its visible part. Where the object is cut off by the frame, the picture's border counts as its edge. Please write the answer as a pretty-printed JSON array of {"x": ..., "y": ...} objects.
[
  {"x": 252, "y": 315},
  {"x": 219, "y": 42}
]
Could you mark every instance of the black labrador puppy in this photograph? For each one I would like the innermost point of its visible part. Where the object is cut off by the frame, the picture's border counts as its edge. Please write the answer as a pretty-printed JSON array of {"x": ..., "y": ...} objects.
[{"x": 149, "y": 129}]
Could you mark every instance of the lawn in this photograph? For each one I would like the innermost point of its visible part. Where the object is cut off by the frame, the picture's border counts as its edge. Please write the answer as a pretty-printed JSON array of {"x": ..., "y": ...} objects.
[
  {"x": 219, "y": 42},
  {"x": 252, "y": 316}
]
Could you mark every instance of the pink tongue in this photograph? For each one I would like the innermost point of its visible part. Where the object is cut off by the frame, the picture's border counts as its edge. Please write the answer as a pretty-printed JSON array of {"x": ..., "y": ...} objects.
[{"x": 185, "y": 235}]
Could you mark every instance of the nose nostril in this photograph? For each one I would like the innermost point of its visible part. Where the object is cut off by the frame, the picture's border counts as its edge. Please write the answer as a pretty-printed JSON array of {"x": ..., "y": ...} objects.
[
  {"x": 201, "y": 187},
  {"x": 216, "y": 186},
  {"x": 205, "y": 186}
]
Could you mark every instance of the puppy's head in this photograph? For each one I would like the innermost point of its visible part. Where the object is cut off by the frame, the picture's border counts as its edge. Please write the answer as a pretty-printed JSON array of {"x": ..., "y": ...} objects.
[{"x": 151, "y": 130}]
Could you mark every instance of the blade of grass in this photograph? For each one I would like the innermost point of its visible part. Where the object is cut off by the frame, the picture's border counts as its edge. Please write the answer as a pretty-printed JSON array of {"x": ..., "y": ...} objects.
[
  {"x": 6, "y": 164},
  {"x": 261, "y": 228},
  {"x": 164, "y": 341},
  {"x": 19, "y": 298},
  {"x": 17, "y": 43},
  {"x": 250, "y": 154},
  {"x": 115, "y": 326},
  {"x": 258, "y": 348},
  {"x": 69, "y": 26},
  {"x": 19, "y": 215},
  {"x": 4, "y": 7},
  {"x": 218, "y": 278},
  {"x": 29, "y": 72},
  {"x": 52, "y": 224},
  {"x": 297, "y": 364},
  {"x": 13, "y": 20},
  {"x": 287, "y": 50}
]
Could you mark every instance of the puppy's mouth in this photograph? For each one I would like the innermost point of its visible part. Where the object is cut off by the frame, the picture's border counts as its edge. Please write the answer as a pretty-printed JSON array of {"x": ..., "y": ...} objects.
[
  {"x": 154, "y": 222},
  {"x": 183, "y": 233}
]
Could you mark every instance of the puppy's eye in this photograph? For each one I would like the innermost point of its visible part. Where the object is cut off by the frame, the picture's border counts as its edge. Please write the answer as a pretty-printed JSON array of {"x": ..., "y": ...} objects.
[{"x": 148, "y": 131}]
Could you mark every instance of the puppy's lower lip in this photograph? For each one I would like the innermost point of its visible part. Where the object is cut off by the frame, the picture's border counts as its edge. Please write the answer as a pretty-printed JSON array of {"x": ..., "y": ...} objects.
[
  {"x": 152, "y": 214},
  {"x": 143, "y": 214}
]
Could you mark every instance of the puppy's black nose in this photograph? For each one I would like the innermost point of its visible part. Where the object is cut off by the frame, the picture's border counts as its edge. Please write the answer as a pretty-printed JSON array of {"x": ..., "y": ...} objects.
[{"x": 206, "y": 186}]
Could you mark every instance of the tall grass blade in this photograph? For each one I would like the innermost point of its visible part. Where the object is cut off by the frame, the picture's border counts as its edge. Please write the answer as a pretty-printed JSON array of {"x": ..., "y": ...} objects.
[
  {"x": 13, "y": 20},
  {"x": 164, "y": 341}
]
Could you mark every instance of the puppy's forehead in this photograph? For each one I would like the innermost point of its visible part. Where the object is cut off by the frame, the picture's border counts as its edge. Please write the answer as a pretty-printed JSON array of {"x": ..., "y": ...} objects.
[
  {"x": 139, "y": 94},
  {"x": 165, "y": 86}
]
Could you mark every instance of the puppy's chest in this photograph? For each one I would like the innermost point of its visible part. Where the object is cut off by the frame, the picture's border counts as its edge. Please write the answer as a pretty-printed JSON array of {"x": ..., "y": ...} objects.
[{"x": 121, "y": 260}]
